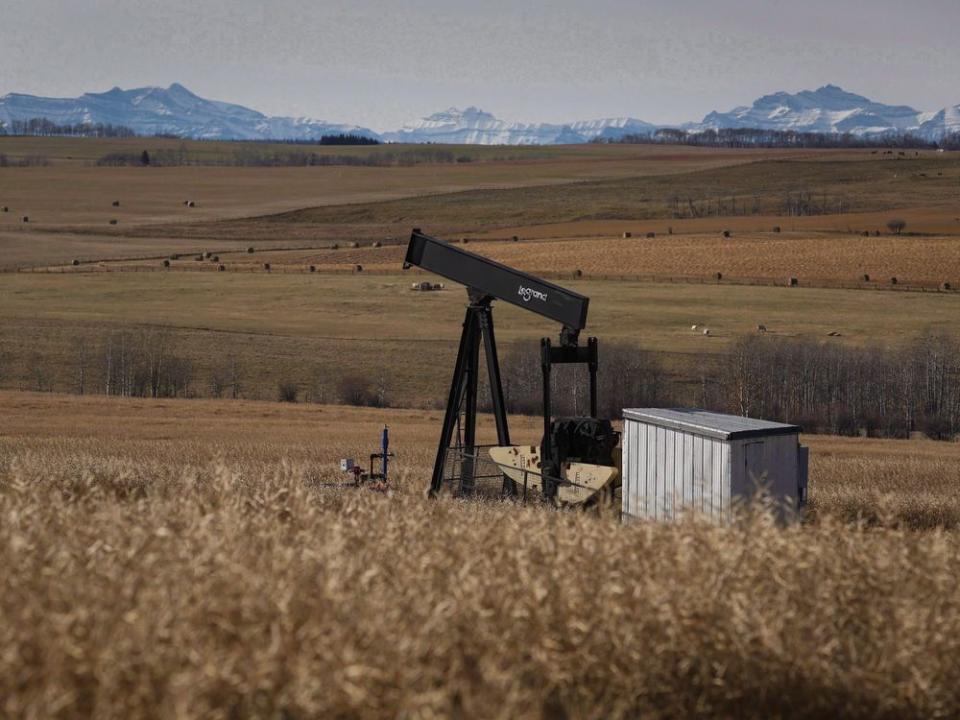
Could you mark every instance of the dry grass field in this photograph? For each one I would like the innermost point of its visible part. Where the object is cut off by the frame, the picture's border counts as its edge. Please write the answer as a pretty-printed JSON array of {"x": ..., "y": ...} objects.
[
  {"x": 186, "y": 559},
  {"x": 914, "y": 260},
  {"x": 313, "y": 329}
]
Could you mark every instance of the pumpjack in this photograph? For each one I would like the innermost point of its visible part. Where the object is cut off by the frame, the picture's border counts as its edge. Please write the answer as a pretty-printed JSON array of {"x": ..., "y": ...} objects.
[{"x": 577, "y": 461}]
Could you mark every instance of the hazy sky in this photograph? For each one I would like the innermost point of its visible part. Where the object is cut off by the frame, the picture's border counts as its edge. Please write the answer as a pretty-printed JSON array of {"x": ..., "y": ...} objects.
[{"x": 380, "y": 63}]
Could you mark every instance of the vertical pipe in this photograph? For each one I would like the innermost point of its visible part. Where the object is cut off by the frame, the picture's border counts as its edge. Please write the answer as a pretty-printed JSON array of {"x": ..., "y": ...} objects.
[{"x": 384, "y": 446}]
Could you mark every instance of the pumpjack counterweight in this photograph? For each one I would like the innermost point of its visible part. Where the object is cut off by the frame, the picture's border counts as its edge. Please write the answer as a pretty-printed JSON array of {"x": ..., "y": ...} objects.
[{"x": 487, "y": 280}]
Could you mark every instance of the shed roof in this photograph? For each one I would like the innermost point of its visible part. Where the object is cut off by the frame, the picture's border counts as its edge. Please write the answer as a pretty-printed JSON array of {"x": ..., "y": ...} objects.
[{"x": 709, "y": 424}]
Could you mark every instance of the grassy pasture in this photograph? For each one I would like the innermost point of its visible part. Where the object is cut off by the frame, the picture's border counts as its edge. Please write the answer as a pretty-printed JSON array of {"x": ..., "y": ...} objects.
[
  {"x": 308, "y": 326},
  {"x": 186, "y": 557}
]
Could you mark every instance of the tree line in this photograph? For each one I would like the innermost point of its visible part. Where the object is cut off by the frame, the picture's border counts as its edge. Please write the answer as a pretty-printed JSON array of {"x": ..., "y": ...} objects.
[
  {"x": 759, "y": 138},
  {"x": 254, "y": 157},
  {"x": 841, "y": 390},
  {"x": 824, "y": 387},
  {"x": 42, "y": 127}
]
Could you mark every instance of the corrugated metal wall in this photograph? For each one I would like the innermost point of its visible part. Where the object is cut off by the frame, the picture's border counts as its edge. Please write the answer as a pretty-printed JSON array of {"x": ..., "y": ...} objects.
[
  {"x": 771, "y": 461},
  {"x": 666, "y": 470}
]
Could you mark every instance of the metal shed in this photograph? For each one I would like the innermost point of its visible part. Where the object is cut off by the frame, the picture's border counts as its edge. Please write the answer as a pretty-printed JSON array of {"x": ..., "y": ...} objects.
[{"x": 681, "y": 459}]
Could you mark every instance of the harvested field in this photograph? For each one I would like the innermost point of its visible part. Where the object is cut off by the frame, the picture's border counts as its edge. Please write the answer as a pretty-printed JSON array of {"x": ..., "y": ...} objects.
[{"x": 913, "y": 260}]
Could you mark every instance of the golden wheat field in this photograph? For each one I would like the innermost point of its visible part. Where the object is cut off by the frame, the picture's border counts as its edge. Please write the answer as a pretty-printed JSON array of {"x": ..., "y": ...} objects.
[{"x": 187, "y": 558}]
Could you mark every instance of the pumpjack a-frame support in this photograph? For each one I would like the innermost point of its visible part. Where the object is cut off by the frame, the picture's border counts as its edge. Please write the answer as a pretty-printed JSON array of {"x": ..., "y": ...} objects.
[{"x": 477, "y": 330}]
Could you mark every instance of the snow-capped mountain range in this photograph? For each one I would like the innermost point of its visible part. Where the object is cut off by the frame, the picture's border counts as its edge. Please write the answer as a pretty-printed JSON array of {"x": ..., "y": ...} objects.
[
  {"x": 177, "y": 111},
  {"x": 476, "y": 127},
  {"x": 173, "y": 110}
]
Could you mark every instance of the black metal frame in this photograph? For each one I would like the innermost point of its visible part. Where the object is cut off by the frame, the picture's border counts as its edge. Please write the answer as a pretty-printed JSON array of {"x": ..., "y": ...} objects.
[
  {"x": 567, "y": 353},
  {"x": 477, "y": 329}
]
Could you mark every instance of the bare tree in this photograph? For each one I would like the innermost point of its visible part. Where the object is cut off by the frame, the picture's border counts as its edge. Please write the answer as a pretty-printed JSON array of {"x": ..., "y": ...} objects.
[
  {"x": 896, "y": 225},
  {"x": 81, "y": 360}
]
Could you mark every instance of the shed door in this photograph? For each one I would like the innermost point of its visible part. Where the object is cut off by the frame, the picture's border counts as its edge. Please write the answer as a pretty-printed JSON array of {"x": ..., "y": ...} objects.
[{"x": 753, "y": 475}]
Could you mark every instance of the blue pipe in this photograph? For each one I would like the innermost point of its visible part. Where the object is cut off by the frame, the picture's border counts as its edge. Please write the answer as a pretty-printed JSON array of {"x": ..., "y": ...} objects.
[{"x": 384, "y": 445}]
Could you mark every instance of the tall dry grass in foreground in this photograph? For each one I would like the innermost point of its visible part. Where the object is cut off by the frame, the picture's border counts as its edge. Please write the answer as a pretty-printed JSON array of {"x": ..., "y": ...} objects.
[{"x": 160, "y": 583}]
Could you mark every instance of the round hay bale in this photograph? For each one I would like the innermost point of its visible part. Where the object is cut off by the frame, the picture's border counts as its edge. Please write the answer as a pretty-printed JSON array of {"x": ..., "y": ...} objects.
[
  {"x": 335, "y": 246},
  {"x": 249, "y": 251},
  {"x": 377, "y": 243},
  {"x": 670, "y": 230},
  {"x": 794, "y": 282},
  {"x": 776, "y": 228},
  {"x": 726, "y": 233},
  {"x": 719, "y": 276},
  {"x": 76, "y": 262},
  {"x": 651, "y": 235},
  {"x": 25, "y": 219},
  {"x": 945, "y": 286},
  {"x": 465, "y": 240},
  {"x": 866, "y": 277},
  {"x": 354, "y": 244},
  {"x": 5, "y": 209},
  {"x": 627, "y": 235},
  {"x": 116, "y": 203},
  {"x": 199, "y": 257},
  {"x": 578, "y": 273},
  {"x": 166, "y": 263},
  {"x": 866, "y": 233},
  {"x": 113, "y": 221},
  {"x": 515, "y": 238},
  {"x": 208, "y": 255},
  {"x": 190, "y": 203},
  {"x": 221, "y": 268},
  {"x": 215, "y": 258},
  {"x": 266, "y": 266},
  {"x": 893, "y": 281},
  {"x": 313, "y": 268},
  {"x": 358, "y": 268}
]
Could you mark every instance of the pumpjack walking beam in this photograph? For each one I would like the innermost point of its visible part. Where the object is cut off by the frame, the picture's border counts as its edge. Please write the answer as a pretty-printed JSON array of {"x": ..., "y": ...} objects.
[{"x": 486, "y": 281}]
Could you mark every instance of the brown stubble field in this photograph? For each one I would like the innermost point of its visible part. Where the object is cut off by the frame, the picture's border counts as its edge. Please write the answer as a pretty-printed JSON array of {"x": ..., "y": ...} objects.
[{"x": 187, "y": 558}]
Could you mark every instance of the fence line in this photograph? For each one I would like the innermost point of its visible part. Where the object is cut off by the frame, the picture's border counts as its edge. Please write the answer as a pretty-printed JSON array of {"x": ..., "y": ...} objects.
[{"x": 350, "y": 269}]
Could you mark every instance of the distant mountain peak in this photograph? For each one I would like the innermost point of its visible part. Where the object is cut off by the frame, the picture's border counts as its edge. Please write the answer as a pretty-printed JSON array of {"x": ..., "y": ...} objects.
[
  {"x": 173, "y": 110},
  {"x": 828, "y": 109}
]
